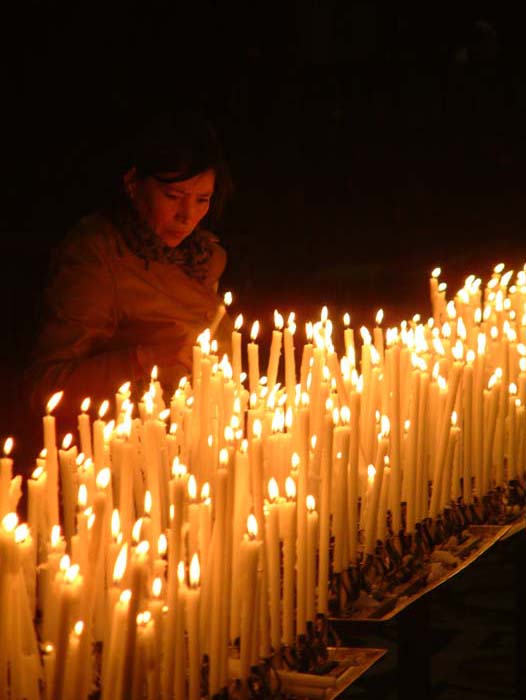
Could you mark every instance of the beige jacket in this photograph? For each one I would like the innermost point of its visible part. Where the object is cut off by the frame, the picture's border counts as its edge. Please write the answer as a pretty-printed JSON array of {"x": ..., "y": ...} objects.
[{"x": 102, "y": 302}]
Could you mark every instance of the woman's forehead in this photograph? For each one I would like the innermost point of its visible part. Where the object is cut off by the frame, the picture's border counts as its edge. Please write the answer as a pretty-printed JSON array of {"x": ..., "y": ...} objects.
[{"x": 200, "y": 182}]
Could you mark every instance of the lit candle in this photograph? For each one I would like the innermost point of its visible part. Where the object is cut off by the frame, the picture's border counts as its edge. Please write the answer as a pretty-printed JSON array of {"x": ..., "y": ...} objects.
[
  {"x": 192, "y": 602},
  {"x": 312, "y": 539},
  {"x": 290, "y": 361},
  {"x": 273, "y": 559},
  {"x": 236, "y": 351},
  {"x": 253, "y": 359},
  {"x": 372, "y": 513},
  {"x": 6, "y": 474},
  {"x": 99, "y": 456},
  {"x": 67, "y": 460},
  {"x": 84, "y": 428},
  {"x": 275, "y": 351},
  {"x": 287, "y": 526},
  {"x": 50, "y": 446},
  {"x": 250, "y": 551}
]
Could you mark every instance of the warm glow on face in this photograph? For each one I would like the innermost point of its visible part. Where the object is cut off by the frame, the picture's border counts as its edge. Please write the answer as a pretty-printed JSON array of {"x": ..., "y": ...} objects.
[
  {"x": 273, "y": 489},
  {"x": 120, "y": 563}
]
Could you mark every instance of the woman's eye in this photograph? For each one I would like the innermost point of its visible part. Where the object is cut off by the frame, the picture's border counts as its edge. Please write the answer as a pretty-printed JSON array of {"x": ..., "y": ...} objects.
[{"x": 172, "y": 196}]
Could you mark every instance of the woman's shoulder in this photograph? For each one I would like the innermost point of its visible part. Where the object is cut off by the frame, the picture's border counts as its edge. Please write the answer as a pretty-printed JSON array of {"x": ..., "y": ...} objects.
[{"x": 93, "y": 235}]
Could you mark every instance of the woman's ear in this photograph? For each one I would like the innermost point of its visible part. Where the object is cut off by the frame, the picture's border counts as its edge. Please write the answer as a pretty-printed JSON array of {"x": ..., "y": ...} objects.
[{"x": 130, "y": 182}]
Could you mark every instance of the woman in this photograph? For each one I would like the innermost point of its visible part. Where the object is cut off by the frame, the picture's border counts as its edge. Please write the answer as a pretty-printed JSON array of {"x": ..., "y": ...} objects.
[{"x": 132, "y": 286}]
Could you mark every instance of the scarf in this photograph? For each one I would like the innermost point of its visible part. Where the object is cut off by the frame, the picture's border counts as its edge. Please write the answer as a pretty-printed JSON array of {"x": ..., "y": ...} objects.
[{"x": 192, "y": 254}]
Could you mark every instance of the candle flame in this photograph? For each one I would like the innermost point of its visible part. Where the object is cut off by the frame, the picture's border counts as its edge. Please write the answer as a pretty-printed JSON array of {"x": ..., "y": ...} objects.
[
  {"x": 458, "y": 350},
  {"x": 55, "y": 536},
  {"x": 366, "y": 336},
  {"x": 64, "y": 563},
  {"x": 295, "y": 460},
  {"x": 436, "y": 272},
  {"x": 238, "y": 322},
  {"x": 21, "y": 533},
  {"x": 143, "y": 548},
  {"x": 228, "y": 298},
  {"x": 278, "y": 320},
  {"x": 223, "y": 456},
  {"x": 257, "y": 428},
  {"x": 8, "y": 446},
  {"x": 273, "y": 489},
  {"x": 470, "y": 356},
  {"x": 346, "y": 319},
  {"x": 254, "y": 331},
  {"x": 309, "y": 331},
  {"x": 136, "y": 530},
  {"x": 66, "y": 442},
  {"x": 82, "y": 498},
  {"x": 379, "y": 317},
  {"x": 115, "y": 523},
  {"x": 78, "y": 628},
  {"x": 54, "y": 401},
  {"x": 162, "y": 544},
  {"x": 205, "y": 491},
  {"x": 157, "y": 587},
  {"x": 103, "y": 478},
  {"x": 454, "y": 418},
  {"x": 91, "y": 520},
  {"x": 180, "y": 572},
  {"x": 72, "y": 573},
  {"x": 37, "y": 473},
  {"x": 178, "y": 470},
  {"x": 512, "y": 388},
  {"x": 252, "y": 526},
  {"x": 192, "y": 487},
  {"x": 147, "y": 502},
  {"x": 311, "y": 503},
  {"x": 120, "y": 564},
  {"x": 385, "y": 426},
  {"x": 371, "y": 473},
  {"x": 125, "y": 596},
  {"x": 290, "y": 488}
]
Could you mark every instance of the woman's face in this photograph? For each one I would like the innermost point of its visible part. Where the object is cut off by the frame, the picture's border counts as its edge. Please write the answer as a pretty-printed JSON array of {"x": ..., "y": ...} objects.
[{"x": 172, "y": 209}]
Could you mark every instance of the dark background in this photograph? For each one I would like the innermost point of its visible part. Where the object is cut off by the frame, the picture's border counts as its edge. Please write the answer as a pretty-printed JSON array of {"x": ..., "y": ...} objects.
[{"x": 368, "y": 143}]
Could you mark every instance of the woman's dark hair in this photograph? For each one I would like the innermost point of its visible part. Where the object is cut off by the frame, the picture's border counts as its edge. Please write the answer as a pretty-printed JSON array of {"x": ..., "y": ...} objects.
[{"x": 175, "y": 147}]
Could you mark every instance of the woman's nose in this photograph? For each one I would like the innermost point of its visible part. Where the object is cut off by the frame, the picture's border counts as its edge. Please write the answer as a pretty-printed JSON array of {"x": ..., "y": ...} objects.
[{"x": 184, "y": 211}]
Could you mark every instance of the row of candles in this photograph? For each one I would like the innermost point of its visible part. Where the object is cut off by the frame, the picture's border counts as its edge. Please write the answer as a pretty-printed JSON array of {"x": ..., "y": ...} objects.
[{"x": 186, "y": 527}]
